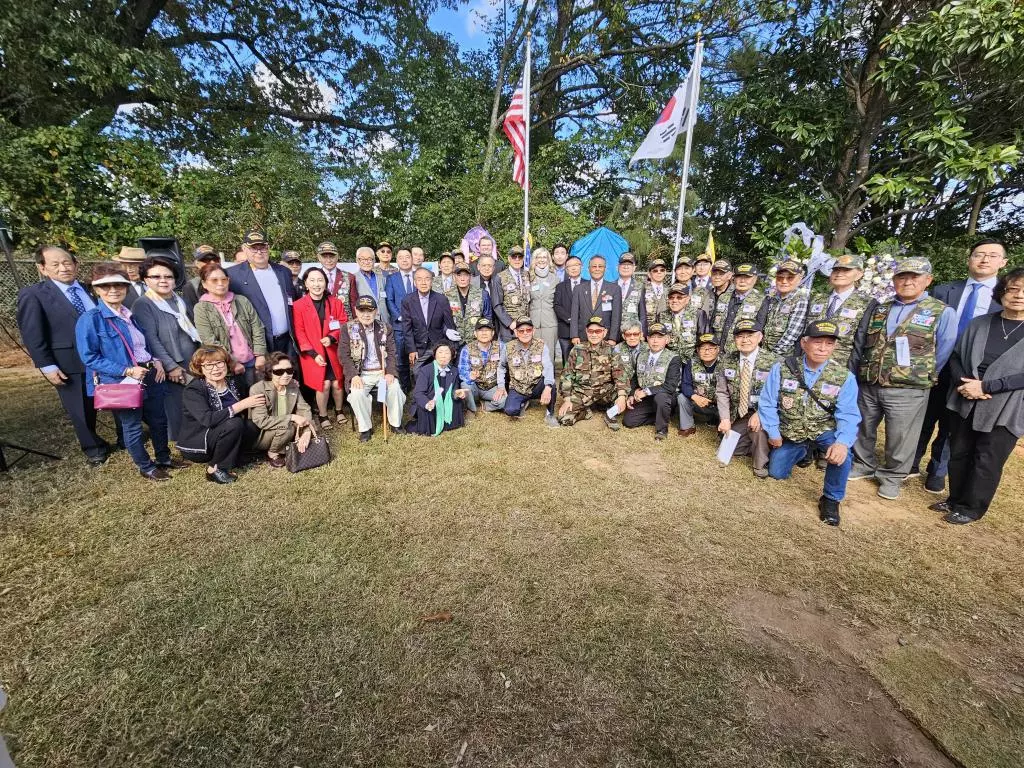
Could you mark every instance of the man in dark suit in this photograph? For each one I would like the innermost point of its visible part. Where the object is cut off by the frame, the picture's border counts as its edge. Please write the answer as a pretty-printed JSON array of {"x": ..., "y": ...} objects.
[
  {"x": 563, "y": 303},
  {"x": 47, "y": 314},
  {"x": 970, "y": 298},
  {"x": 400, "y": 284},
  {"x": 269, "y": 289},
  {"x": 426, "y": 320},
  {"x": 596, "y": 296}
]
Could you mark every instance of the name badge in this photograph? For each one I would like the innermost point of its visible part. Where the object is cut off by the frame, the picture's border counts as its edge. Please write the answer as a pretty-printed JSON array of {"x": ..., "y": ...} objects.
[
  {"x": 850, "y": 313},
  {"x": 535, "y": 287},
  {"x": 830, "y": 390},
  {"x": 334, "y": 325},
  {"x": 606, "y": 306},
  {"x": 289, "y": 302},
  {"x": 902, "y": 351},
  {"x": 790, "y": 385},
  {"x": 925, "y": 319},
  {"x": 730, "y": 373},
  {"x": 816, "y": 308},
  {"x": 689, "y": 323},
  {"x": 760, "y": 375},
  {"x": 786, "y": 309},
  {"x": 536, "y": 358}
]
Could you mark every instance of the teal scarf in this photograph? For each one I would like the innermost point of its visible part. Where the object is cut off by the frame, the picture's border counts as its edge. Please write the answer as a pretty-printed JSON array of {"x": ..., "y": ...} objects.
[{"x": 442, "y": 403}]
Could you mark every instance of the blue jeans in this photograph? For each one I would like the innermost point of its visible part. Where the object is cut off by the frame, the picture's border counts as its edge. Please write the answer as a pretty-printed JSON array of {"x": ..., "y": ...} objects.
[
  {"x": 785, "y": 457},
  {"x": 152, "y": 412},
  {"x": 514, "y": 402},
  {"x": 474, "y": 396}
]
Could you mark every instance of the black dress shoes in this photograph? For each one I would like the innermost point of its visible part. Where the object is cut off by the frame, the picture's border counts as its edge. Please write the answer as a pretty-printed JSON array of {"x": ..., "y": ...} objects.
[
  {"x": 364, "y": 437},
  {"x": 828, "y": 511},
  {"x": 806, "y": 461},
  {"x": 400, "y": 430},
  {"x": 156, "y": 474},
  {"x": 958, "y": 518},
  {"x": 939, "y": 506},
  {"x": 220, "y": 476},
  {"x": 176, "y": 464},
  {"x": 97, "y": 461}
]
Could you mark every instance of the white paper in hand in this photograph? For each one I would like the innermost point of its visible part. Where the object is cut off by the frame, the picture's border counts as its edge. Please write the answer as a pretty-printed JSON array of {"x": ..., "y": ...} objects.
[
  {"x": 382, "y": 390},
  {"x": 728, "y": 447},
  {"x": 612, "y": 412}
]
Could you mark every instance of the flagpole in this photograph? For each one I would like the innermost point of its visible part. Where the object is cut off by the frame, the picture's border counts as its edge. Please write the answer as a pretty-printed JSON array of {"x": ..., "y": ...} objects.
[
  {"x": 526, "y": 146},
  {"x": 698, "y": 56}
]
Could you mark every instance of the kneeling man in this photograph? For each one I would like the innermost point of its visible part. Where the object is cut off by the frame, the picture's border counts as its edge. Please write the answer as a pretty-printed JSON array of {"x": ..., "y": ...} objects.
[
  {"x": 808, "y": 402},
  {"x": 655, "y": 383}
]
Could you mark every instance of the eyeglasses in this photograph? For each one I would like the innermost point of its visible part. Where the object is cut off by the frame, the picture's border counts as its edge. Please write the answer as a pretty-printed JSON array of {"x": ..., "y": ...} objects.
[
  {"x": 659, "y": 269},
  {"x": 631, "y": 334},
  {"x": 217, "y": 280},
  {"x": 282, "y": 371},
  {"x": 210, "y": 366}
]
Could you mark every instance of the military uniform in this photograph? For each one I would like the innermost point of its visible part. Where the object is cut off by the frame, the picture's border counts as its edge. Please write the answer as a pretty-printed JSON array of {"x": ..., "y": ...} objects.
[
  {"x": 514, "y": 301},
  {"x": 849, "y": 315},
  {"x": 785, "y": 318},
  {"x": 731, "y": 309},
  {"x": 655, "y": 301},
  {"x": 698, "y": 379},
  {"x": 592, "y": 375},
  {"x": 684, "y": 328},
  {"x": 633, "y": 303},
  {"x": 658, "y": 376},
  {"x": 627, "y": 357},
  {"x": 466, "y": 315},
  {"x": 732, "y": 406},
  {"x": 443, "y": 283},
  {"x": 898, "y": 368},
  {"x": 529, "y": 370},
  {"x": 478, "y": 371}
]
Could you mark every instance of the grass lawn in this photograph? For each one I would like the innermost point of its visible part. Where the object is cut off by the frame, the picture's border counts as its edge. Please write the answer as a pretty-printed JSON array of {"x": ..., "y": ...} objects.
[{"x": 612, "y": 601}]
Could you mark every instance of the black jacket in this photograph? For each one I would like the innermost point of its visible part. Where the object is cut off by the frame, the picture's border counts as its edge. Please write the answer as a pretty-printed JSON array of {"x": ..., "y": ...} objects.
[
  {"x": 420, "y": 335},
  {"x": 563, "y": 307},
  {"x": 198, "y": 417},
  {"x": 47, "y": 321}
]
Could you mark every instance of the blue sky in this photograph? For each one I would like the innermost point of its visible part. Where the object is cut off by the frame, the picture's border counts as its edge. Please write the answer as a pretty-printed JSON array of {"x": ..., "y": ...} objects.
[{"x": 464, "y": 22}]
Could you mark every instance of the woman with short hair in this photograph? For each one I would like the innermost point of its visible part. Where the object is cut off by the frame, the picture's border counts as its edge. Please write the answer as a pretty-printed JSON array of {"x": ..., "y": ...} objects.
[
  {"x": 113, "y": 348},
  {"x": 231, "y": 322},
  {"x": 166, "y": 320},
  {"x": 214, "y": 427},
  {"x": 987, "y": 401},
  {"x": 282, "y": 411},
  {"x": 543, "y": 282},
  {"x": 439, "y": 401}
]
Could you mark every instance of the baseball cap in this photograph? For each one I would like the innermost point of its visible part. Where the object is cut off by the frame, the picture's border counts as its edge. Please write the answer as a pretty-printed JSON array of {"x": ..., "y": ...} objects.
[
  {"x": 685, "y": 260},
  {"x": 748, "y": 270},
  {"x": 745, "y": 326},
  {"x": 722, "y": 265},
  {"x": 707, "y": 338},
  {"x": 820, "y": 329},
  {"x": 254, "y": 237},
  {"x": 326, "y": 247},
  {"x": 595, "y": 320},
  {"x": 484, "y": 322},
  {"x": 705, "y": 257},
  {"x": 524, "y": 320},
  {"x": 790, "y": 265},
  {"x": 849, "y": 261},
  {"x": 657, "y": 329},
  {"x": 366, "y": 302},
  {"x": 462, "y": 268},
  {"x": 291, "y": 256},
  {"x": 915, "y": 264},
  {"x": 627, "y": 258},
  {"x": 657, "y": 263},
  {"x": 680, "y": 288}
]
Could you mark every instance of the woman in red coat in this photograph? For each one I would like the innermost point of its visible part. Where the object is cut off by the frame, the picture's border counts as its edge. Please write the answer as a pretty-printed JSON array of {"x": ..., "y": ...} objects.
[{"x": 318, "y": 317}]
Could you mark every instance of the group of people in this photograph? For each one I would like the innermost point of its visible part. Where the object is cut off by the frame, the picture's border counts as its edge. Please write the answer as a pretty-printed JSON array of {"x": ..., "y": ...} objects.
[{"x": 250, "y": 357}]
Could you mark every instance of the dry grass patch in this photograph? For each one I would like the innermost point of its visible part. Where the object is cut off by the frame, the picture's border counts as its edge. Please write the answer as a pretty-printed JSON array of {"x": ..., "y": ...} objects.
[{"x": 614, "y": 602}]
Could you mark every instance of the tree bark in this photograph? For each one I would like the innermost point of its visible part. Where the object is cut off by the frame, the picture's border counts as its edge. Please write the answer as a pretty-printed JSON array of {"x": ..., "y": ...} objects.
[{"x": 979, "y": 202}]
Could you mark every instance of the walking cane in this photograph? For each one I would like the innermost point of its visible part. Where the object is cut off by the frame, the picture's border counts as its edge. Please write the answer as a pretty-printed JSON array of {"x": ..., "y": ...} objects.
[{"x": 384, "y": 404}]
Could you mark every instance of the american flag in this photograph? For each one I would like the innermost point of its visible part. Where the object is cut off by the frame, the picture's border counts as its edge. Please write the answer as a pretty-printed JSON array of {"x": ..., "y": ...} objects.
[{"x": 515, "y": 129}]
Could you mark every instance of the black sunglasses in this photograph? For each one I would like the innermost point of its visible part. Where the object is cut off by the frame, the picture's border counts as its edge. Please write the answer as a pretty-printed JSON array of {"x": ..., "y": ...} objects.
[{"x": 282, "y": 371}]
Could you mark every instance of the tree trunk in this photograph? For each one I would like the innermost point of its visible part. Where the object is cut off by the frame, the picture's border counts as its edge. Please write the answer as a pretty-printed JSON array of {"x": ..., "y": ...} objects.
[{"x": 979, "y": 202}]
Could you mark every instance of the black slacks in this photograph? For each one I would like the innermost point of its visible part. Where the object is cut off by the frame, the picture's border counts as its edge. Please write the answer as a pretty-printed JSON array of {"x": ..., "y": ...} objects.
[
  {"x": 80, "y": 410},
  {"x": 976, "y": 461},
  {"x": 227, "y": 440},
  {"x": 654, "y": 409}
]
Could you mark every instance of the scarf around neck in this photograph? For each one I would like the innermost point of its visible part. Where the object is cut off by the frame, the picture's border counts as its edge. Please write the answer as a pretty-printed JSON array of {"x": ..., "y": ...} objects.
[
  {"x": 442, "y": 403},
  {"x": 177, "y": 311}
]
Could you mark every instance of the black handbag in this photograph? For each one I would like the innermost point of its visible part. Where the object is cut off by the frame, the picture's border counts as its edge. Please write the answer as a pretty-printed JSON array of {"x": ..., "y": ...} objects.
[{"x": 317, "y": 453}]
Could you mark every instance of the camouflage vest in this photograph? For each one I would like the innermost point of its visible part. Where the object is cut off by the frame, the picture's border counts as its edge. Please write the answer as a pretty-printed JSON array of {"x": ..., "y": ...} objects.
[
  {"x": 655, "y": 305},
  {"x": 593, "y": 370},
  {"x": 466, "y": 323},
  {"x": 702, "y": 298},
  {"x": 488, "y": 371},
  {"x": 847, "y": 319},
  {"x": 437, "y": 284},
  {"x": 516, "y": 299},
  {"x": 651, "y": 376},
  {"x": 356, "y": 348},
  {"x": 631, "y": 303},
  {"x": 779, "y": 316},
  {"x": 918, "y": 326},
  {"x": 684, "y": 331},
  {"x": 525, "y": 364},
  {"x": 627, "y": 357},
  {"x": 747, "y": 310},
  {"x": 704, "y": 378},
  {"x": 731, "y": 370},
  {"x": 800, "y": 417}
]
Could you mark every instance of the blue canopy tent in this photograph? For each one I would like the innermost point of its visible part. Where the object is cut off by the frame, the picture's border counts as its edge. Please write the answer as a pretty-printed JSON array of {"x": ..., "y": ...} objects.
[{"x": 601, "y": 242}]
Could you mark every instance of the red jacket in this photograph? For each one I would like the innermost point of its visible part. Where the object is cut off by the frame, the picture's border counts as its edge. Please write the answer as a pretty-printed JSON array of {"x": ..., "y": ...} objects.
[{"x": 309, "y": 332}]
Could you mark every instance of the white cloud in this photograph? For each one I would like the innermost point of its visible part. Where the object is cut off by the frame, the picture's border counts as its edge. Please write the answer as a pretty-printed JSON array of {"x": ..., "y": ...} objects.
[{"x": 479, "y": 13}]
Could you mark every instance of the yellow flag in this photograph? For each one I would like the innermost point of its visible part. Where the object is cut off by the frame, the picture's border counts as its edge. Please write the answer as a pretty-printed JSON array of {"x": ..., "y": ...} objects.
[{"x": 710, "y": 250}]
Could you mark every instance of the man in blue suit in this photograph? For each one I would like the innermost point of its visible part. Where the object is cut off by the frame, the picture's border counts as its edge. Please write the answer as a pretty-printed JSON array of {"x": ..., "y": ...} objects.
[
  {"x": 426, "y": 320},
  {"x": 970, "y": 298},
  {"x": 47, "y": 313},
  {"x": 268, "y": 287},
  {"x": 399, "y": 285}
]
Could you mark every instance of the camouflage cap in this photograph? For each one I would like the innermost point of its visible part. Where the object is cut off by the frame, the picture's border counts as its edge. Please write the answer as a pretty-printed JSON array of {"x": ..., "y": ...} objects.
[
  {"x": 254, "y": 237},
  {"x": 915, "y": 264},
  {"x": 657, "y": 329},
  {"x": 462, "y": 268},
  {"x": 707, "y": 338},
  {"x": 682, "y": 289},
  {"x": 444, "y": 256},
  {"x": 291, "y": 256},
  {"x": 366, "y": 302},
  {"x": 383, "y": 244},
  {"x": 657, "y": 263},
  {"x": 746, "y": 270},
  {"x": 705, "y": 257},
  {"x": 326, "y": 247},
  {"x": 849, "y": 261},
  {"x": 203, "y": 249},
  {"x": 722, "y": 265},
  {"x": 745, "y": 326},
  {"x": 484, "y": 322},
  {"x": 685, "y": 261},
  {"x": 524, "y": 320},
  {"x": 596, "y": 320},
  {"x": 627, "y": 258},
  {"x": 790, "y": 265},
  {"x": 818, "y": 329},
  {"x": 515, "y": 250}
]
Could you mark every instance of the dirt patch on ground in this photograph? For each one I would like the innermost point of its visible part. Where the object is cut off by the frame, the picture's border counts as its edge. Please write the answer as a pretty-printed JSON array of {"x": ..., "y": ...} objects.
[
  {"x": 819, "y": 687},
  {"x": 649, "y": 467}
]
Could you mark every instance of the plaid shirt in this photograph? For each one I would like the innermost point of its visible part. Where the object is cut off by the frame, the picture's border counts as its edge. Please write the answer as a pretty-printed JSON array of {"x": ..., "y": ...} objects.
[{"x": 798, "y": 302}]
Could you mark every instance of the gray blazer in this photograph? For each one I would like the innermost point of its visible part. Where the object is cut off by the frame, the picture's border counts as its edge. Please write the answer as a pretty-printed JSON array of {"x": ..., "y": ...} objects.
[
  {"x": 1004, "y": 409},
  {"x": 164, "y": 337},
  {"x": 363, "y": 288},
  {"x": 542, "y": 300}
]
